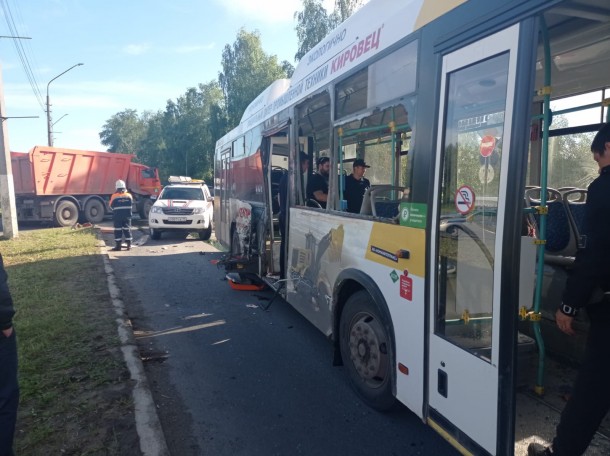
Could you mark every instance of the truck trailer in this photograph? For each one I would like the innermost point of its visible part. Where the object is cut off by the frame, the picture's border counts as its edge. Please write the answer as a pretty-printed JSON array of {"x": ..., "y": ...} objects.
[{"x": 66, "y": 186}]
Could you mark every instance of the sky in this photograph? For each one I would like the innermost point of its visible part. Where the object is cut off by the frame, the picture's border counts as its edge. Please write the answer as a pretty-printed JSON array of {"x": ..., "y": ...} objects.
[{"x": 136, "y": 54}]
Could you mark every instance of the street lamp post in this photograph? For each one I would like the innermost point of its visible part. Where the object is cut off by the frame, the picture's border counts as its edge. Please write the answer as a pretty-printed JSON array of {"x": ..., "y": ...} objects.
[{"x": 49, "y": 124}]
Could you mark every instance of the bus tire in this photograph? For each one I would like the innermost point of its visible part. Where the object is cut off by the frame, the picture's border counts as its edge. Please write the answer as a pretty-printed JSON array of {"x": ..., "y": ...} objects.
[
  {"x": 94, "y": 211},
  {"x": 66, "y": 213},
  {"x": 235, "y": 243},
  {"x": 366, "y": 350}
]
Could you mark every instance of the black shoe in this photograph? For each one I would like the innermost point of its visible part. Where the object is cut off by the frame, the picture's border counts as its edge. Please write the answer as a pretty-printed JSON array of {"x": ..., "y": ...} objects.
[
  {"x": 535, "y": 449},
  {"x": 117, "y": 247},
  {"x": 128, "y": 245}
]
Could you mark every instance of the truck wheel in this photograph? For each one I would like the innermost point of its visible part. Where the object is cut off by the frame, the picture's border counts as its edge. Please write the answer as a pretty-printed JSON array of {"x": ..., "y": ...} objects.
[
  {"x": 66, "y": 213},
  {"x": 145, "y": 209},
  {"x": 94, "y": 211},
  {"x": 366, "y": 349},
  {"x": 206, "y": 234},
  {"x": 155, "y": 234}
]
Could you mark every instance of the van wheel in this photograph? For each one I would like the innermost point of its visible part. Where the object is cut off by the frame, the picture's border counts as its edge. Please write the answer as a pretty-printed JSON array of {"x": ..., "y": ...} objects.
[
  {"x": 206, "y": 234},
  {"x": 155, "y": 234},
  {"x": 366, "y": 350},
  {"x": 94, "y": 211},
  {"x": 145, "y": 209},
  {"x": 66, "y": 213}
]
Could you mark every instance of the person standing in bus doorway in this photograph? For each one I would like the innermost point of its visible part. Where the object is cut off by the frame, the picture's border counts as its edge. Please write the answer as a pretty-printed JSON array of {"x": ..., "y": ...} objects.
[
  {"x": 120, "y": 203},
  {"x": 9, "y": 386},
  {"x": 355, "y": 186},
  {"x": 590, "y": 398},
  {"x": 317, "y": 185},
  {"x": 284, "y": 206}
]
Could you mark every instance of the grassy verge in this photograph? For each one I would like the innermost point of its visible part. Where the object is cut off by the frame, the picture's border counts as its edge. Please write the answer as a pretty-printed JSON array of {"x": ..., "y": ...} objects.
[{"x": 75, "y": 391}]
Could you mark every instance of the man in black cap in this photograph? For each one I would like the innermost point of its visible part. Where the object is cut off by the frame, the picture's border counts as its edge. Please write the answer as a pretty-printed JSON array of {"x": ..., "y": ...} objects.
[
  {"x": 317, "y": 185},
  {"x": 355, "y": 186}
]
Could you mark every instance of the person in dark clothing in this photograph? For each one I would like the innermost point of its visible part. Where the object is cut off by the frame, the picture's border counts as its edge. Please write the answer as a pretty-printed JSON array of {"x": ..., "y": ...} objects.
[
  {"x": 317, "y": 185},
  {"x": 590, "y": 398},
  {"x": 355, "y": 186},
  {"x": 283, "y": 216},
  {"x": 9, "y": 386},
  {"x": 121, "y": 202}
]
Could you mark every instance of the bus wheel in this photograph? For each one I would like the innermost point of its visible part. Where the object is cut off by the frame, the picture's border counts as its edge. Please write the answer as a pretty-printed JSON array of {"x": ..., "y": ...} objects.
[
  {"x": 94, "y": 211},
  {"x": 66, "y": 213},
  {"x": 366, "y": 351},
  {"x": 236, "y": 249}
]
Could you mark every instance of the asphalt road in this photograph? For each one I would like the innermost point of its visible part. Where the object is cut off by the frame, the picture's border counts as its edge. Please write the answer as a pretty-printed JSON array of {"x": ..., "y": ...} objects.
[{"x": 231, "y": 379}]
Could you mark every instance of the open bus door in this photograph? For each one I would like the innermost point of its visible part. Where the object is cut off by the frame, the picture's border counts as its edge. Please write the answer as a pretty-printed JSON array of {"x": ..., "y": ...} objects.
[{"x": 473, "y": 311}]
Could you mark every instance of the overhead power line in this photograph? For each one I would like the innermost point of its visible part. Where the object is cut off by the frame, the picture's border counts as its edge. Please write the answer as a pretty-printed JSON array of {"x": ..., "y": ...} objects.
[{"x": 23, "y": 57}]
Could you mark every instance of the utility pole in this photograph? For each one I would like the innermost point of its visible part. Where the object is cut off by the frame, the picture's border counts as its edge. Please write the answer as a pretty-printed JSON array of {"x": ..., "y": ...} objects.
[
  {"x": 49, "y": 124},
  {"x": 7, "y": 187}
]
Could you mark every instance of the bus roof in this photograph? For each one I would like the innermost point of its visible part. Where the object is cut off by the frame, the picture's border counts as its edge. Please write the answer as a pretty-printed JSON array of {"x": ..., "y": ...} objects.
[{"x": 372, "y": 29}]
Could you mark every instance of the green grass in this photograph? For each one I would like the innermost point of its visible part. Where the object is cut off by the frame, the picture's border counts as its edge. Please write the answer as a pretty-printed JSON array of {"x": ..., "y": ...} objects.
[{"x": 74, "y": 384}]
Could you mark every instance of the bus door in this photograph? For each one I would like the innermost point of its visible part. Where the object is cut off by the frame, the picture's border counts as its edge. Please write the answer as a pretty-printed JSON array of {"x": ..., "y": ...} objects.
[
  {"x": 223, "y": 197},
  {"x": 275, "y": 166},
  {"x": 474, "y": 135}
]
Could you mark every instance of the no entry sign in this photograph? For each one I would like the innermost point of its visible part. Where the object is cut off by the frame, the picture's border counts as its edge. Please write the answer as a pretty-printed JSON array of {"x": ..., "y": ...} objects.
[
  {"x": 464, "y": 199},
  {"x": 488, "y": 143}
]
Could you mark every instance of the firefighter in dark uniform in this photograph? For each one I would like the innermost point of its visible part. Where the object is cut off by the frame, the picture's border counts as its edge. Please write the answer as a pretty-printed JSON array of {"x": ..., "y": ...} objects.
[
  {"x": 120, "y": 203},
  {"x": 590, "y": 398}
]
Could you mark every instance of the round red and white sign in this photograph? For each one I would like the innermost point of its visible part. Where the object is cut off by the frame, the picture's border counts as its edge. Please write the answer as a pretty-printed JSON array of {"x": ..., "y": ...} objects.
[
  {"x": 488, "y": 144},
  {"x": 464, "y": 199}
]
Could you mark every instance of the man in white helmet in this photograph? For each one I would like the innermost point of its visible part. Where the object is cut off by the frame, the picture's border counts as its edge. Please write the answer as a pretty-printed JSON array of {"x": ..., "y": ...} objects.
[{"x": 120, "y": 203}]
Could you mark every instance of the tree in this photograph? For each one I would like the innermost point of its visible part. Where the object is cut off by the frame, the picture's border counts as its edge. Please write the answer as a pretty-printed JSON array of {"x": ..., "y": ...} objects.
[
  {"x": 188, "y": 132},
  {"x": 314, "y": 22},
  {"x": 123, "y": 132},
  {"x": 246, "y": 71}
]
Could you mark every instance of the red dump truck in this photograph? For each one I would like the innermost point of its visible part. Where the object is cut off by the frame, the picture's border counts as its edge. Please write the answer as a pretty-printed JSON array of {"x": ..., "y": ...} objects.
[{"x": 68, "y": 185}]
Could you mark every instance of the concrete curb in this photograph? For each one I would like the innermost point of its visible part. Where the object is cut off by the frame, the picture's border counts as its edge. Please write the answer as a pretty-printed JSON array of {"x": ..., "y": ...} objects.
[{"x": 152, "y": 439}]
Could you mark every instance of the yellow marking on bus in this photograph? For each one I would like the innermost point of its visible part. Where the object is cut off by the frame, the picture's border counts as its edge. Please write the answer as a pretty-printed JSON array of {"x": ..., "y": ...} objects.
[
  {"x": 386, "y": 239},
  {"x": 432, "y": 9},
  {"x": 448, "y": 437}
]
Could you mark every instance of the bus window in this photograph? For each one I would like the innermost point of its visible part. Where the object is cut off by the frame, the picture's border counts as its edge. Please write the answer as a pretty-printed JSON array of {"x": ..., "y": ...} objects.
[
  {"x": 351, "y": 94},
  {"x": 570, "y": 161},
  {"x": 392, "y": 75},
  {"x": 313, "y": 123},
  {"x": 469, "y": 200},
  {"x": 382, "y": 140}
]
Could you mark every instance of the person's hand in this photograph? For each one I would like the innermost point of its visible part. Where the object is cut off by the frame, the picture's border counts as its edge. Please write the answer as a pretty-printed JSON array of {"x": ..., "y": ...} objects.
[
  {"x": 564, "y": 322},
  {"x": 7, "y": 332}
]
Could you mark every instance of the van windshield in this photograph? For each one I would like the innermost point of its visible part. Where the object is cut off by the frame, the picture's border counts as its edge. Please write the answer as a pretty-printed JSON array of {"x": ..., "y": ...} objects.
[{"x": 182, "y": 193}]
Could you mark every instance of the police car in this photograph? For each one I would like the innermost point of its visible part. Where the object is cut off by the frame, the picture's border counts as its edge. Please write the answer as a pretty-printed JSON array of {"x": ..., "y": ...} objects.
[{"x": 185, "y": 205}]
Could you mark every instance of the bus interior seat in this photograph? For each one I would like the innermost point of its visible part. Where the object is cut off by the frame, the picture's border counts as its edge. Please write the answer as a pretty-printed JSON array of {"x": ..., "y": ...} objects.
[
  {"x": 574, "y": 201},
  {"x": 367, "y": 200},
  {"x": 384, "y": 200},
  {"x": 560, "y": 238}
]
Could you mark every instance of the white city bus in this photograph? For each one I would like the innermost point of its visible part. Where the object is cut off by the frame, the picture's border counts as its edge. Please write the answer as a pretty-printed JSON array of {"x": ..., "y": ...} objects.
[{"x": 449, "y": 103}]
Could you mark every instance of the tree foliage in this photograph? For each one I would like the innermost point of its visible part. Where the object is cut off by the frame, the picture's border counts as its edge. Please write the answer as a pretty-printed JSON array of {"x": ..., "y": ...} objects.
[
  {"x": 246, "y": 71},
  {"x": 123, "y": 132},
  {"x": 314, "y": 22},
  {"x": 181, "y": 138}
]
